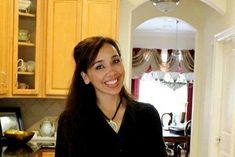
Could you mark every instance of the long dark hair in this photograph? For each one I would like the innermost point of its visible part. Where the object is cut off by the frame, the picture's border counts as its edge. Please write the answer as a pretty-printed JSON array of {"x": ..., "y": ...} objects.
[{"x": 82, "y": 96}]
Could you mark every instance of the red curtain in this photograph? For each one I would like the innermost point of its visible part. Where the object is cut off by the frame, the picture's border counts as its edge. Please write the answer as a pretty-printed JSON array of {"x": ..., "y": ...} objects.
[
  {"x": 135, "y": 85},
  {"x": 190, "y": 100}
]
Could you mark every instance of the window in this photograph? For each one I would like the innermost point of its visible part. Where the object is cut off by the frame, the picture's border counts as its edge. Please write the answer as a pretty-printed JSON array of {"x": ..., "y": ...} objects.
[{"x": 162, "y": 97}]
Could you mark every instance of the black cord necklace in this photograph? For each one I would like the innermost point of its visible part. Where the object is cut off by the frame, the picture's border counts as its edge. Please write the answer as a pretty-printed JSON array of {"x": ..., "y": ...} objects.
[{"x": 110, "y": 121}]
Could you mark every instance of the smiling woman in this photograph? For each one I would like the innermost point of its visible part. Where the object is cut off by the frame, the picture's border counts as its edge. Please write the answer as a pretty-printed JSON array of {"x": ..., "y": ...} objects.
[{"x": 100, "y": 115}]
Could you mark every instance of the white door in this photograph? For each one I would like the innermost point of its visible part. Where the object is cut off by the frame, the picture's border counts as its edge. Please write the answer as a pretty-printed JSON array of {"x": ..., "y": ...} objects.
[{"x": 227, "y": 118}]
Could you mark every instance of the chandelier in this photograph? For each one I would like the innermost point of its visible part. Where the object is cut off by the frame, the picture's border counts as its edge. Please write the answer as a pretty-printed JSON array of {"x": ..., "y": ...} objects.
[
  {"x": 173, "y": 80},
  {"x": 165, "y": 5}
]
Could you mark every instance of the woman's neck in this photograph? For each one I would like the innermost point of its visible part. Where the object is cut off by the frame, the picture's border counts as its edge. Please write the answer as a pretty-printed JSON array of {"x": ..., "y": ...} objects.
[{"x": 108, "y": 102}]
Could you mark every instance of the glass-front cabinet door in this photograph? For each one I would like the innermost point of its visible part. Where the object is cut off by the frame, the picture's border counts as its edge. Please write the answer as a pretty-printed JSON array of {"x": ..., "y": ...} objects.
[{"x": 26, "y": 47}]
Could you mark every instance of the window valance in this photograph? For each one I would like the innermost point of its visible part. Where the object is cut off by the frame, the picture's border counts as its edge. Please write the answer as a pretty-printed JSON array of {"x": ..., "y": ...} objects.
[{"x": 146, "y": 60}]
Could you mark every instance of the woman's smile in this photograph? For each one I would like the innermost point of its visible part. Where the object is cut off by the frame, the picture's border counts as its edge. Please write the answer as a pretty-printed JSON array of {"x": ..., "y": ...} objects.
[{"x": 111, "y": 83}]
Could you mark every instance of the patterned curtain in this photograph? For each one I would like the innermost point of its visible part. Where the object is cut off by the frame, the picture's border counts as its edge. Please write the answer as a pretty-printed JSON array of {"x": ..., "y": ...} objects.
[
  {"x": 141, "y": 62},
  {"x": 188, "y": 59},
  {"x": 146, "y": 60},
  {"x": 164, "y": 66}
]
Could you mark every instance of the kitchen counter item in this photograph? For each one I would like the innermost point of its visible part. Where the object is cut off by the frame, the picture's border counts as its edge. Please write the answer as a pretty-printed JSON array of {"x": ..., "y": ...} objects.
[
  {"x": 37, "y": 138},
  {"x": 18, "y": 136},
  {"x": 47, "y": 129}
]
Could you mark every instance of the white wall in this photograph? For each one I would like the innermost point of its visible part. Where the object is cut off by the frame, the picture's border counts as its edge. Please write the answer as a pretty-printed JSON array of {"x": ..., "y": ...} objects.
[
  {"x": 214, "y": 24},
  {"x": 163, "y": 42}
]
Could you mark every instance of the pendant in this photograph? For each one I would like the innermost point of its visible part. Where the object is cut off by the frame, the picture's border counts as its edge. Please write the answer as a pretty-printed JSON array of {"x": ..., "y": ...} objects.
[{"x": 113, "y": 125}]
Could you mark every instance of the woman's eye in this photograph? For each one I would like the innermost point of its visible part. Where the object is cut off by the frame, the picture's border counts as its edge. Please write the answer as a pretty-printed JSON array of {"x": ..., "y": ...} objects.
[
  {"x": 116, "y": 61},
  {"x": 98, "y": 67}
]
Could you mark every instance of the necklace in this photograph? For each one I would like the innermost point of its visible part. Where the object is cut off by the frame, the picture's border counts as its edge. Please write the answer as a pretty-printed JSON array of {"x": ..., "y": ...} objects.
[{"x": 113, "y": 124}]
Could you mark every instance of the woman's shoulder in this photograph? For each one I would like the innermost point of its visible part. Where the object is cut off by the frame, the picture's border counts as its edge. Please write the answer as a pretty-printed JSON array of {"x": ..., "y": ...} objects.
[
  {"x": 144, "y": 111},
  {"x": 142, "y": 106},
  {"x": 62, "y": 117},
  {"x": 65, "y": 117}
]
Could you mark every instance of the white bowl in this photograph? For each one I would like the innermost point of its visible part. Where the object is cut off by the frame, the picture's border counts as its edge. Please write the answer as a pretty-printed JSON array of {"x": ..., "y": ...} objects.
[{"x": 30, "y": 66}]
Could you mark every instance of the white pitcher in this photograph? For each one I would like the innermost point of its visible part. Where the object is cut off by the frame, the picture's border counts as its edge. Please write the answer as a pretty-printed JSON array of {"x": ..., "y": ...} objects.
[
  {"x": 21, "y": 65},
  {"x": 47, "y": 128}
]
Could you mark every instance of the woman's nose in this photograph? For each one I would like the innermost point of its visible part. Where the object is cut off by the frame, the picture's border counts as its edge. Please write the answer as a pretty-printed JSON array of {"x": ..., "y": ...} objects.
[{"x": 111, "y": 70}]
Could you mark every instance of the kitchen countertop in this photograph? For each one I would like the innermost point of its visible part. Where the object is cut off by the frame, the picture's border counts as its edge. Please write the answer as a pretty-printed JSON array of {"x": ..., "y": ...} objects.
[{"x": 23, "y": 150}]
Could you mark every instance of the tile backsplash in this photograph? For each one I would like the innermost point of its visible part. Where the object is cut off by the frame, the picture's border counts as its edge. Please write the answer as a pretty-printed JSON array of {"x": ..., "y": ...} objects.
[{"x": 35, "y": 110}]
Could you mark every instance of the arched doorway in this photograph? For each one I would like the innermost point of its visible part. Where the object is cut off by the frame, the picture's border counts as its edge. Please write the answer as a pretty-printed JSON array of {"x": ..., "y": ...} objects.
[
  {"x": 171, "y": 38},
  {"x": 167, "y": 35}
]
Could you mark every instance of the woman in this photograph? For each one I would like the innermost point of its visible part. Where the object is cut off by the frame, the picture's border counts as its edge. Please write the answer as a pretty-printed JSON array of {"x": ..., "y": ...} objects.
[{"x": 100, "y": 117}]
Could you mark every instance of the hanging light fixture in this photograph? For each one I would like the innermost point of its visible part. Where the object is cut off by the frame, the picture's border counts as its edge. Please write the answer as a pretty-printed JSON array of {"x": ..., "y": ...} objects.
[
  {"x": 165, "y": 5},
  {"x": 177, "y": 51},
  {"x": 173, "y": 80}
]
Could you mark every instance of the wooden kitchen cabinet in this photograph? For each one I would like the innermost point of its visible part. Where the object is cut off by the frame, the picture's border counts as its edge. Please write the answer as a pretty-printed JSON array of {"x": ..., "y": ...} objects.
[
  {"x": 48, "y": 153},
  {"x": 55, "y": 27},
  {"x": 63, "y": 32},
  {"x": 45, "y": 153},
  {"x": 5, "y": 51},
  {"x": 67, "y": 23},
  {"x": 100, "y": 17},
  {"x": 26, "y": 47}
]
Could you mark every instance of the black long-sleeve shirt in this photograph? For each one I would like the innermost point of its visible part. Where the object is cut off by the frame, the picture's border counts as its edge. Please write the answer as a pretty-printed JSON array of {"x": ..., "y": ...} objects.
[{"x": 140, "y": 135}]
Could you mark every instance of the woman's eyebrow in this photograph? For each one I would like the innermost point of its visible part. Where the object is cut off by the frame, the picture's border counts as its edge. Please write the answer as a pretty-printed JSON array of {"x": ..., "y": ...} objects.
[
  {"x": 114, "y": 56},
  {"x": 99, "y": 61}
]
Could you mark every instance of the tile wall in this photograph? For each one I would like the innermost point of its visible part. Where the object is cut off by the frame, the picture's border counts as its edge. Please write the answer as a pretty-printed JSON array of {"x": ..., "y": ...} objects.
[{"x": 35, "y": 110}]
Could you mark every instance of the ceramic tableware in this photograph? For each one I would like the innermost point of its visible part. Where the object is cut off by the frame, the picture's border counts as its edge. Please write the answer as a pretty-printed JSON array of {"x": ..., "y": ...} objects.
[
  {"x": 30, "y": 66},
  {"x": 24, "y": 5},
  {"x": 47, "y": 128},
  {"x": 21, "y": 65},
  {"x": 23, "y": 35},
  {"x": 22, "y": 85}
]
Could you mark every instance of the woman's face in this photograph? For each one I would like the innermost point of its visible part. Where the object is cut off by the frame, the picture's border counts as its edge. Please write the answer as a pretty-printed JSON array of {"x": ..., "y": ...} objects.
[{"x": 107, "y": 72}]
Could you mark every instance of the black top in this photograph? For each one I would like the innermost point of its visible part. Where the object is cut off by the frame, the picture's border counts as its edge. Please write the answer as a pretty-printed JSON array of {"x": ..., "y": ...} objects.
[{"x": 140, "y": 134}]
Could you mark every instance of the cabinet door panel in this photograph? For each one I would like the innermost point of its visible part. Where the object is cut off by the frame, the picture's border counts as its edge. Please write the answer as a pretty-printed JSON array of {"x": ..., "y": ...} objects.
[
  {"x": 100, "y": 18},
  {"x": 63, "y": 32},
  {"x": 48, "y": 154},
  {"x": 5, "y": 30}
]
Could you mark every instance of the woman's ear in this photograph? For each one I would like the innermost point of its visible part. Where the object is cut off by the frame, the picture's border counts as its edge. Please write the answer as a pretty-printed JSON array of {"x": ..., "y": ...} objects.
[{"x": 85, "y": 77}]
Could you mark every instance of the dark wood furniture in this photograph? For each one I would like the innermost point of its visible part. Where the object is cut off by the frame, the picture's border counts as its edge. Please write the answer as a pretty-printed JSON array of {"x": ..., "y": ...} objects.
[
  {"x": 186, "y": 145},
  {"x": 175, "y": 139}
]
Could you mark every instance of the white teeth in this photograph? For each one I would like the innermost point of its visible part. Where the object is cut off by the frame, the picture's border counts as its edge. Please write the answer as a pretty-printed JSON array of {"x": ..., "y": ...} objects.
[{"x": 111, "y": 82}]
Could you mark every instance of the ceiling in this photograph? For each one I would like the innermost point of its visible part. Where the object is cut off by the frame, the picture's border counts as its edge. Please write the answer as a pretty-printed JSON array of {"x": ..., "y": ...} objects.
[
  {"x": 165, "y": 25},
  {"x": 164, "y": 32}
]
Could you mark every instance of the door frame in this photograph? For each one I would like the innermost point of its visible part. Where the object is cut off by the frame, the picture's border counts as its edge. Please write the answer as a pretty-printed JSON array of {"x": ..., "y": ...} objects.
[{"x": 216, "y": 89}]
